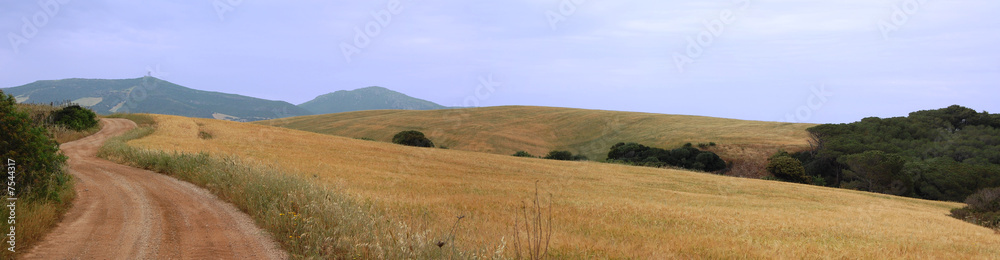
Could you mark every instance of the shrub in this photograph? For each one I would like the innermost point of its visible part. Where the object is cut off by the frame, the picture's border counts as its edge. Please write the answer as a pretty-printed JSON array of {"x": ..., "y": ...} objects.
[
  {"x": 711, "y": 161},
  {"x": 560, "y": 155},
  {"x": 983, "y": 208},
  {"x": 412, "y": 138},
  {"x": 787, "y": 169},
  {"x": 37, "y": 157},
  {"x": 523, "y": 154},
  {"x": 629, "y": 152},
  {"x": 75, "y": 117},
  {"x": 985, "y": 200},
  {"x": 685, "y": 157}
]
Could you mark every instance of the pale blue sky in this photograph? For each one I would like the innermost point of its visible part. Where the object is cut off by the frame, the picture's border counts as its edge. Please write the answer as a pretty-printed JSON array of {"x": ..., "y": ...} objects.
[{"x": 759, "y": 60}]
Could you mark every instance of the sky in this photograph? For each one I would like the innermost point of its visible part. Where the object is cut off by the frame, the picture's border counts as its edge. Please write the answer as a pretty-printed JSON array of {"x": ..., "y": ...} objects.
[{"x": 772, "y": 60}]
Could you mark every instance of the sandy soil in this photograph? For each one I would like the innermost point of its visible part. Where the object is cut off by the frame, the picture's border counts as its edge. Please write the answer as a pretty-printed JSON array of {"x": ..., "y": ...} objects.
[{"x": 122, "y": 212}]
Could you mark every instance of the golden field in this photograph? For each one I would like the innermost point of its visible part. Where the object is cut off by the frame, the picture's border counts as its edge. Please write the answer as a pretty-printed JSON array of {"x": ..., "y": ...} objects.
[
  {"x": 538, "y": 130},
  {"x": 599, "y": 210}
]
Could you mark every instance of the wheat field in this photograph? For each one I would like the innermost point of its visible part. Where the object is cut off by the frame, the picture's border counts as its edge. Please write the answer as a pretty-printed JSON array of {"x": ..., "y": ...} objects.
[
  {"x": 538, "y": 130},
  {"x": 598, "y": 210}
]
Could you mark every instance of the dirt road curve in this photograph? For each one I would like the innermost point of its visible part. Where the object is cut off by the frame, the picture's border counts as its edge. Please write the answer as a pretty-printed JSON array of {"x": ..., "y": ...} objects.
[{"x": 122, "y": 212}]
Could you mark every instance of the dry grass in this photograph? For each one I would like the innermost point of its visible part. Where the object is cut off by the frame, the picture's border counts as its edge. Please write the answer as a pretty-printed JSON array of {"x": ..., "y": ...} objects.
[
  {"x": 599, "y": 210},
  {"x": 310, "y": 221},
  {"x": 35, "y": 218},
  {"x": 538, "y": 130}
]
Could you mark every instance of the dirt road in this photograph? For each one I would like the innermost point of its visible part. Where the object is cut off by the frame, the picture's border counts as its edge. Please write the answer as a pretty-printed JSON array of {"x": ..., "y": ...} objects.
[{"x": 122, "y": 212}]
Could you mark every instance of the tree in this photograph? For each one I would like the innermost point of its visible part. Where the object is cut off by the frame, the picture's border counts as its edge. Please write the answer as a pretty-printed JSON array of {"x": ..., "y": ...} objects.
[
  {"x": 877, "y": 171},
  {"x": 560, "y": 155},
  {"x": 75, "y": 117},
  {"x": 523, "y": 154},
  {"x": 787, "y": 169},
  {"x": 628, "y": 152},
  {"x": 685, "y": 157},
  {"x": 711, "y": 161},
  {"x": 412, "y": 138},
  {"x": 37, "y": 158}
]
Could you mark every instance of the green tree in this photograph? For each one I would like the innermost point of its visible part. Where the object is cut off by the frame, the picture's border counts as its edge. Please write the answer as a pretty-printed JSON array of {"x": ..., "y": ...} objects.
[
  {"x": 75, "y": 117},
  {"x": 523, "y": 154},
  {"x": 38, "y": 162},
  {"x": 877, "y": 171},
  {"x": 560, "y": 155},
  {"x": 787, "y": 169},
  {"x": 412, "y": 138},
  {"x": 711, "y": 161}
]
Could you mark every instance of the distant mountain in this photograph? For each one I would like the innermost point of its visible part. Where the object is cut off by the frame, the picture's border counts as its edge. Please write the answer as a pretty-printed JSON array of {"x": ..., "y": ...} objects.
[
  {"x": 370, "y": 98},
  {"x": 152, "y": 95}
]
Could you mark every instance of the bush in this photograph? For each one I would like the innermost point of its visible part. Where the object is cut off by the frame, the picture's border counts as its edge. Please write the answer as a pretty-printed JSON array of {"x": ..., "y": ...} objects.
[
  {"x": 711, "y": 161},
  {"x": 985, "y": 200},
  {"x": 560, "y": 155},
  {"x": 523, "y": 154},
  {"x": 787, "y": 169},
  {"x": 37, "y": 157},
  {"x": 983, "y": 208},
  {"x": 75, "y": 117},
  {"x": 685, "y": 157},
  {"x": 628, "y": 152},
  {"x": 412, "y": 138}
]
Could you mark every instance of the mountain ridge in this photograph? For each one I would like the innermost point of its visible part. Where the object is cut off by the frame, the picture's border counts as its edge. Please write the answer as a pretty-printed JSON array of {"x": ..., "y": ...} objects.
[
  {"x": 369, "y": 98},
  {"x": 152, "y": 95}
]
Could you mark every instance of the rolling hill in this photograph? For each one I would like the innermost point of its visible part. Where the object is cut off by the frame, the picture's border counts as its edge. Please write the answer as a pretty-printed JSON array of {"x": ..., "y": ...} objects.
[
  {"x": 370, "y": 98},
  {"x": 600, "y": 210},
  {"x": 538, "y": 130},
  {"x": 152, "y": 95}
]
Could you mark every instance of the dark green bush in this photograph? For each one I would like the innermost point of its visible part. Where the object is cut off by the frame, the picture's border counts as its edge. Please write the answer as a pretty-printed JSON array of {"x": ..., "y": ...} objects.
[
  {"x": 523, "y": 154},
  {"x": 412, "y": 138},
  {"x": 38, "y": 163},
  {"x": 75, "y": 117},
  {"x": 710, "y": 160},
  {"x": 686, "y": 157},
  {"x": 560, "y": 155},
  {"x": 787, "y": 169}
]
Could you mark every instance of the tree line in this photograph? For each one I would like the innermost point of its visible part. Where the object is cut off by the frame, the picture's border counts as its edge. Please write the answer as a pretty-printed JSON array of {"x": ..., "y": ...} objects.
[{"x": 944, "y": 154}]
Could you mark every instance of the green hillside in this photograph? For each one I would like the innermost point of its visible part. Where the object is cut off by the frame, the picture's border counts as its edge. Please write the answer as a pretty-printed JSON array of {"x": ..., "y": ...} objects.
[
  {"x": 370, "y": 98},
  {"x": 152, "y": 95}
]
